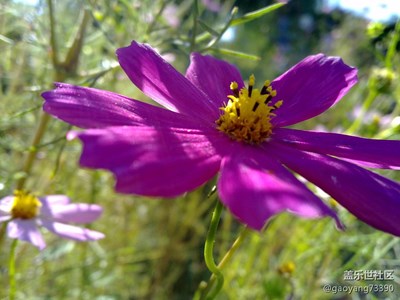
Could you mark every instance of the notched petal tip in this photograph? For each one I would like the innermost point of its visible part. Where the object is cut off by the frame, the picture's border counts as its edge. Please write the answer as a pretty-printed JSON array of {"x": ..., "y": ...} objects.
[
  {"x": 372, "y": 198},
  {"x": 121, "y": 51},
  {"x": 161, "y": 82},
  {"x": 312, "y": 86},
  {"x": 57, "y": 85}
]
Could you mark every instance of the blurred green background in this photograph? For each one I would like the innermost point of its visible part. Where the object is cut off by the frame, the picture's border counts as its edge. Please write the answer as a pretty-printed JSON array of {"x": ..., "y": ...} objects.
[{"x": 154, "y": 247}]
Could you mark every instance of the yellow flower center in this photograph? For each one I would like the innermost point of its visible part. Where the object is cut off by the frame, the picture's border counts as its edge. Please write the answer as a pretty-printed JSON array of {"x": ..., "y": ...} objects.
[
  {"x": 25, "y": 205},
  {"x": 247, "y": 115}
]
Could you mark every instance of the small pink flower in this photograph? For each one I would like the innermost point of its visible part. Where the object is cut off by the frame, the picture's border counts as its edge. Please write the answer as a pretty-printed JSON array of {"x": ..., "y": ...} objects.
[
  {"x": 25, "y": 213},
  {"x": 212, "y": 5}
]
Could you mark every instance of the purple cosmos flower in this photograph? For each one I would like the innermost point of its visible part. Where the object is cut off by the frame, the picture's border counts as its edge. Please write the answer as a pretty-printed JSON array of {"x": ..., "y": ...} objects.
[
  {"x": 214, "y": 124},
  {"x": 25, "y": 212}
]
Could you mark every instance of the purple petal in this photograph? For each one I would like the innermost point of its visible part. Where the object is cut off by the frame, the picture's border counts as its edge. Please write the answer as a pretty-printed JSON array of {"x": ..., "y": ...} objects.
[
  {"x": 92, "y": 108},
  {"x": 213, "y": 77},
  {"x": 73, "y": 213},
  {"x": 370, "y": 197},
  {"x": 161, "y": 82},
  {"x": 26, "y": 230},
  {"x": 162, "y": 162},
  {"x": 51, "y": 200},
  {"x": 254, "y": 192},
  {"x": 311, "y": 87},
  {"x": 4, "y": 217},
  {"x": 383, "y": 154},
  {"x": 6, "y": 203},
  {"x": 72, "y": 232}
]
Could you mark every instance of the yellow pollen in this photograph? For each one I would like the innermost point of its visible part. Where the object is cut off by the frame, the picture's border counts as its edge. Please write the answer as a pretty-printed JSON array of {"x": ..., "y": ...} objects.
[
  {"x": 248, "y": 113},
  {"x": 234, "y": 85},
  {"x": 252, "y": 79},
  {"x": 25, "y": 205}
]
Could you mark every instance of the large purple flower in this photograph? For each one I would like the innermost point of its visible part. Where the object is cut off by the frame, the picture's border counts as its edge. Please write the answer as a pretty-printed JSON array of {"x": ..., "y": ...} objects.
[
  {"x": 213, "y": 123},
  {"x": 25, "y": 212}
]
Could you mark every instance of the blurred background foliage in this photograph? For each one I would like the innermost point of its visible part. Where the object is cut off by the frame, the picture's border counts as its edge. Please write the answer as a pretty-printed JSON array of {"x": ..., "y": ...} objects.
[{"x": 154, "y": 248}]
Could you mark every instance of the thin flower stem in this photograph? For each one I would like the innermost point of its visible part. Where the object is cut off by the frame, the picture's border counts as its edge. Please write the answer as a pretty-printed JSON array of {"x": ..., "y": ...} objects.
[
  {"x": 44, "y": 119},
  {"x": 70, "y": 63},
  {"x": 209, "y": 248},
  {"x": 236, "y": 244},
  {"x": 58, "y": 156},
  {"x": 224, "y": 29},
  {"x": 355, "y": 126},
  {"x": 391, "y": 52},
  {"x": 3, "y": 229},
  {"x": 155, "y": 20},
  {"x": 11, "y": 271},
  {"x": 194, "y": 29},
  {"x": 373, "y": 91},
  {"x": 53, "y": 42},
  {"x": 205, "y": 287}
]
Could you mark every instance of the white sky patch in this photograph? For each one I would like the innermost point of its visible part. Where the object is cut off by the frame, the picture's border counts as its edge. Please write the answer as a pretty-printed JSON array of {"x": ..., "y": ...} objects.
[
  {"x": 28, "y": 2},
  {"x": 229, "y": 35},
  {"x": 376, "y": 10}
]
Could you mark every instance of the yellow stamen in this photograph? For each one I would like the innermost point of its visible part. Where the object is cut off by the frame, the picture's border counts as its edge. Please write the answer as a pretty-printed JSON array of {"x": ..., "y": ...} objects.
[
  {"x": 252, "y": 80},
  {"x": 25, "y": 205},
  {"x": 235, "y": 88},
  {"x": 247, "y": 115}
]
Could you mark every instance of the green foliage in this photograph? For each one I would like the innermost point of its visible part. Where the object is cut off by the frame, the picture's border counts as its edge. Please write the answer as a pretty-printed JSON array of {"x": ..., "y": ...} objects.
[{"x": 154, "y": 247}]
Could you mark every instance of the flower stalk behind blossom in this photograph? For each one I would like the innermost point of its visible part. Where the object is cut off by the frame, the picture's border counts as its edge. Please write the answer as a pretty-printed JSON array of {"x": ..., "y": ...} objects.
[
  {"x": 25, "y": 212},
  {"x": 214, "y": 124}
]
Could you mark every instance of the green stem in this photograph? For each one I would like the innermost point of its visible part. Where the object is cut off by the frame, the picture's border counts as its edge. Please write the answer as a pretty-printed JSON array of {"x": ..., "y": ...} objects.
[
  {"x": 44, "y": 119},
  {"x": 236, "y": 244},
  {"x": 155, "y": 20},
  {"x": 204, "y": 288},
  {"x": 224, "y": 29},
  {"x": 70, "y": 63},
  {"x": 194, "y": 29},
  {"x": 11, "y": 270},
  {"x": 372, "y": 94},
  {"x": 209, "y": 249},
  {"x": 3, "y": 229},
  {"x": 391, "y": 52},
  {"x": 53, "y": 42}
]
